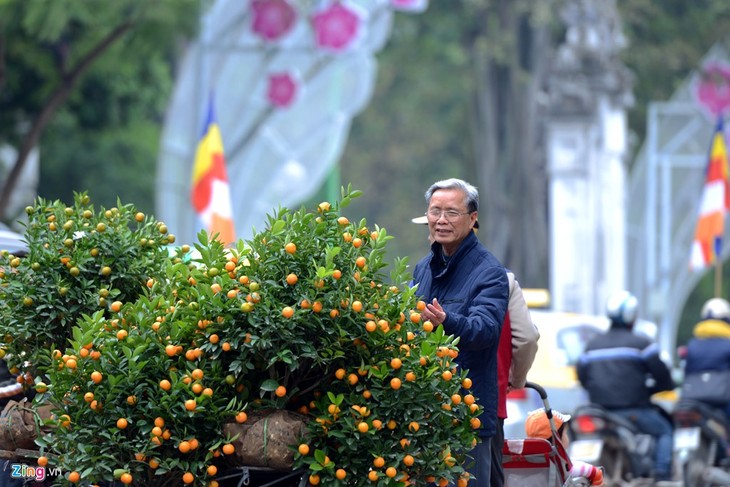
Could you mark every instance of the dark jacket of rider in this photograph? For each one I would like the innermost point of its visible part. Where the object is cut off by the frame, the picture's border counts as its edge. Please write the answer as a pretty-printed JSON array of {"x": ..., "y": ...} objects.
[
  {"x": 709, "y": 349},
  {"x": 616, "y": 365}
]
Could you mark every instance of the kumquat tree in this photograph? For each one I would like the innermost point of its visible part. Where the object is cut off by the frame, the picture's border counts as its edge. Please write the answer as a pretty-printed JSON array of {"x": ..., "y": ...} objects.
[
  {"x": 79, "y": 261},
  {"x": 302, "y": 318}
]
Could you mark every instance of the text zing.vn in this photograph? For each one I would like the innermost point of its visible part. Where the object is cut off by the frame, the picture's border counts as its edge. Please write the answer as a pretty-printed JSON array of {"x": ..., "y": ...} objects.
[{"x": 23, "y": 471}]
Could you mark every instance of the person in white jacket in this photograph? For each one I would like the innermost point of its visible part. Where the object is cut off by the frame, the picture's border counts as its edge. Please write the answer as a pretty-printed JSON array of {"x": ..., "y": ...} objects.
[
  {"x": 515, "y": 355},
  {"x": 523, "y": 338}
]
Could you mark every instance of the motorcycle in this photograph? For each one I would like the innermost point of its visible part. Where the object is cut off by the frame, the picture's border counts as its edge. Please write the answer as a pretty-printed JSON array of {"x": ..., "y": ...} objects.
[
  {"x": 600, "y": 437},
  {"x": 700, "y": 434}
]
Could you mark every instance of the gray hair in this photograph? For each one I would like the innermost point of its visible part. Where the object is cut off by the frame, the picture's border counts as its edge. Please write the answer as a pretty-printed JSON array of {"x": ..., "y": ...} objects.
[{"x": 472, "y": 195}]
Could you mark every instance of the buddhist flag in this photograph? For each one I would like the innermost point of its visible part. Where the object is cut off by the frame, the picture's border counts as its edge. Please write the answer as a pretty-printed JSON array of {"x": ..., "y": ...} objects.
[
  {"x": 713, "y": 206},
  {"x": 210, "y": 195}
]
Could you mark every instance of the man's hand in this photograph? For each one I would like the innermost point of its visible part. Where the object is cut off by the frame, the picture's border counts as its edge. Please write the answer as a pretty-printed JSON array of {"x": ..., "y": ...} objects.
[{"x": 434, "y": 313}]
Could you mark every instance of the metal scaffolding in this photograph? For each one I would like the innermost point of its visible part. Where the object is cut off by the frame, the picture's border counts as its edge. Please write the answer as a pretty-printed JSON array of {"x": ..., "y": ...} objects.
[{"x": 664, "y": 191}]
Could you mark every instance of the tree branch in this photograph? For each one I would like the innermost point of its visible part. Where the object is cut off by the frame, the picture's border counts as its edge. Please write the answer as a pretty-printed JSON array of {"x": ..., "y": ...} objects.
[{"x": 56, "y": 99}]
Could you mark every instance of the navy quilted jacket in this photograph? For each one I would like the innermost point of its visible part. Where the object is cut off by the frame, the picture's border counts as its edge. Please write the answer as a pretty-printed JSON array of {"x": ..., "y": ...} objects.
[
  {"x": 615, "y": 366},
  {"x": 709, "y": 349},
  {"x": 472, "y": 288}
]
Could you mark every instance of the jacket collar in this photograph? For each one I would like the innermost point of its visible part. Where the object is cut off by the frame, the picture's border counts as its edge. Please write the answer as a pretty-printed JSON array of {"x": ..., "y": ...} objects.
[
  {"x": 712, "y": 329},
  {"x": 440, "y": 265}
]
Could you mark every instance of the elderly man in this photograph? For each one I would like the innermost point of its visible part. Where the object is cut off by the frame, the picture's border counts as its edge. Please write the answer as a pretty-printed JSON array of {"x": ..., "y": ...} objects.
[
  {"x": 515, "y": 355},
  {"x": 467, "y": 291}
]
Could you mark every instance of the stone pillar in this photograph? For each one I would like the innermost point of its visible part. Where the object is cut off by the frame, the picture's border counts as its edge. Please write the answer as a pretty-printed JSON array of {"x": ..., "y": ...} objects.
[{"x": 589, "y": 91}]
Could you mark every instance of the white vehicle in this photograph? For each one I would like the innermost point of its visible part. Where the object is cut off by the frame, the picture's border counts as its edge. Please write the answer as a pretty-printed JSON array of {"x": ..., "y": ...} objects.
[
  {"x": 563, "y": 337},
  {"x": 11, "y": 241}
]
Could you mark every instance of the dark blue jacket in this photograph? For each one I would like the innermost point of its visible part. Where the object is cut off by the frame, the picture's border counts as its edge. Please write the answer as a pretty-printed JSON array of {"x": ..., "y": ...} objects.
[
  {"x": 472, "y": 288},
  {"x": 709, "y": 349},
  {"x": 616, "y": 365}
]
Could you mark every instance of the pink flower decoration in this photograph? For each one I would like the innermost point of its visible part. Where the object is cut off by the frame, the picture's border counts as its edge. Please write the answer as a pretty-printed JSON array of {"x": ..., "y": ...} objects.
[
  {"x": 282, "y": 89},
  {"x": 712, "y": 88},
  {"x": 336, "y": 27},
  {"x": 409, "y": 5},
  {"x": 272, "y": 19}
]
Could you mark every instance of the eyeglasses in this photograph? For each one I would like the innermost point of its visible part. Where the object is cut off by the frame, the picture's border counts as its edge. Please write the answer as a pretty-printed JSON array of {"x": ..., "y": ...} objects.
[{"x": 450, "y": 215}]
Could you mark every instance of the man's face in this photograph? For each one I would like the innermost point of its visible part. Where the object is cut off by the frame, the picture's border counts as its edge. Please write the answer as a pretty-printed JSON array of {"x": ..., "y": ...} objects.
[{"x": 449, "y": 231}]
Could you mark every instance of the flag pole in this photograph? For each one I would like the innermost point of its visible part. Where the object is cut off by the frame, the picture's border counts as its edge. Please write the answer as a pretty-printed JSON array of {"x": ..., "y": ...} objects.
[
  {"x": 718, "y": 277},
  {"x": 718, "y": 257}
]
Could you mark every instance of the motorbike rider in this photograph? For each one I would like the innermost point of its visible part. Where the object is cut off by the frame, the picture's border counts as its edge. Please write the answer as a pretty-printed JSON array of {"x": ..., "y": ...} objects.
[
  {"x": 621, "y": 370},
  {"x": 709, "y": 348},
  {"x": 708, "y": 352}
]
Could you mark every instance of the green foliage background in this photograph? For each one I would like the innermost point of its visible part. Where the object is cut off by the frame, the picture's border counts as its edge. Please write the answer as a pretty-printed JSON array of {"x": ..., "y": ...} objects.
[{"x": 108, "y": 131}]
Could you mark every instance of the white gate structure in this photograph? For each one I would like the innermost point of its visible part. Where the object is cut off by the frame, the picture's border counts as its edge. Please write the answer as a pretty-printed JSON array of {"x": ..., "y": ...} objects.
[{"x": 665, "y": 186}]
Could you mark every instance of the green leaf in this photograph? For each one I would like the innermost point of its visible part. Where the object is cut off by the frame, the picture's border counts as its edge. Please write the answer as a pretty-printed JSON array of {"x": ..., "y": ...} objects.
[
  {"x": 139, "y": 350},
  {"x": 319, "y": 455},
  {"x": 278, "y": 227},
  {"x": 269, "y": 385}
]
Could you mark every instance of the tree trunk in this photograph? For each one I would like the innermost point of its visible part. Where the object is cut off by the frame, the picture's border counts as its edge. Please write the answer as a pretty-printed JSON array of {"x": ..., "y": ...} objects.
[
  {"x": 2, "y": 62},
  {"x": 56, "y": 99},
  {"x": 507, "y": 144}
]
